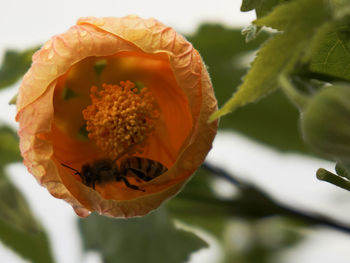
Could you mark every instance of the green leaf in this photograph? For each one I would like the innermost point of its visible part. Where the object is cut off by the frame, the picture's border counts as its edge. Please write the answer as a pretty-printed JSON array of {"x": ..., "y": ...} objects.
[
  {"x": 198, "y": 206},
  {"x": 19, "y": 230},
  {"x": 300, "y": 20},
  {"x": 152, "y": 239},
  {"x": 263, "y": 239},
  {"x": 248, "y": 5},
  {"x": 273, "y": 121},
  {"x": 222, "y": 50},
  {"x": 342, "y": 170},
  {"x": 331, "y": 55},
  {"x": 9, "y": 150},
  {"x": 262, "y": 7},
  {"x": 14, "y": 65}
]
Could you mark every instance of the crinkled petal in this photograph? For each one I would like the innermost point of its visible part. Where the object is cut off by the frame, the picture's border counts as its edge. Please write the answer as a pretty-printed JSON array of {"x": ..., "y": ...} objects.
[{"x": 105, "y": 37}]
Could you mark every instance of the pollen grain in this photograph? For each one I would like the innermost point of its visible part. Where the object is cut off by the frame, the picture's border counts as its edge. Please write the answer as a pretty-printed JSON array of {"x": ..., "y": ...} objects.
[{"x": 120, "y": 117}]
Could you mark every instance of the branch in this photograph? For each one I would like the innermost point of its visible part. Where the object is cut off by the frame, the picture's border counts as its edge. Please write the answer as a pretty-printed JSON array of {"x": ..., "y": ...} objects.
[{"x": 254, "y": 202}]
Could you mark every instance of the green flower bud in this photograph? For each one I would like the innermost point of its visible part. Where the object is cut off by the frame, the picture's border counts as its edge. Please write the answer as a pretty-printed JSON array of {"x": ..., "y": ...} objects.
[{"x": 325, "y": 122}]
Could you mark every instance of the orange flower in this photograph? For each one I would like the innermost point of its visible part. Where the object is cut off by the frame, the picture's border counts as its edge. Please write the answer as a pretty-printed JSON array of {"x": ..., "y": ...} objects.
[{"x": 107, "y": 90}]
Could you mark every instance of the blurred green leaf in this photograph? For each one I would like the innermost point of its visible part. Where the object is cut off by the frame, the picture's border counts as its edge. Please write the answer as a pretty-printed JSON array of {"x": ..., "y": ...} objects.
[
  {"x": 19, "y": 230},
  {"x": 262, "y": 240},
  {"x": 9, "y": 150},
  {"x": 280, "y": 53},
  {"x": 273, "y": 120},
  {"x": 244, "y": 218},
  {"x": 248, "y": 5},
  {"x": 14, "y": 65},
  {"x": 342, "y": 170},
  {"x": 198, "y": 206},
  {"x": 262, "y": 7},
  {"x": 152, "y": 239}
]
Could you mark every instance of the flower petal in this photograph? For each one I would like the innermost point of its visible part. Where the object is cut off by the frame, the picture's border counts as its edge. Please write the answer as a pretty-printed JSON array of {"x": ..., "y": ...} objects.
[{"x": 104, "y": 37}]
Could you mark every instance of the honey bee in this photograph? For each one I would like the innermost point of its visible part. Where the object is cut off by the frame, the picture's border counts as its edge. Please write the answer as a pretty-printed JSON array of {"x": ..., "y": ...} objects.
[{"x": 107, "y": 170}]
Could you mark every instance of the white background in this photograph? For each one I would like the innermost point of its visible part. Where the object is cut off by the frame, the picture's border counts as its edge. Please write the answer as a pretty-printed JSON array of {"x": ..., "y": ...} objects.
[{"x": 289, "y": 178}]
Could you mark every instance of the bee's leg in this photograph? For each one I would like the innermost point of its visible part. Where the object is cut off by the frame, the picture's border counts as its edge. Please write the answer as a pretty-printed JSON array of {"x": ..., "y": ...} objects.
[
  {"x": 134, "y": 175},
  {"x": 137, "y": 179},
  {"x": 135, "y": 187},
  {"x": 138, "y": 174},
  {"x": 76, "y": 171}
]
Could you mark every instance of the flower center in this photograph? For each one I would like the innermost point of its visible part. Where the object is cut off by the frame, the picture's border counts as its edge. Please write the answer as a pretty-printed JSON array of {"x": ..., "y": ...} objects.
[{"x": 120, "y": 117}]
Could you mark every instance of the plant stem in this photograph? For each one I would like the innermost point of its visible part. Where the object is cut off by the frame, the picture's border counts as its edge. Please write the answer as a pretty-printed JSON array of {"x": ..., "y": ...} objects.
[
  {"x": 274, "y": 207},
  {"x": 324, "y": 175},
  {"x": 221, "y": 173},
  {"x": 299, "y": 99}
]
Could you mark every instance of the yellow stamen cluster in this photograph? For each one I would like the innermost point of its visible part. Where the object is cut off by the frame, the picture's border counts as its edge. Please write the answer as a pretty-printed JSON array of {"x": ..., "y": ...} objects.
[{"x": 120, "y": 117}]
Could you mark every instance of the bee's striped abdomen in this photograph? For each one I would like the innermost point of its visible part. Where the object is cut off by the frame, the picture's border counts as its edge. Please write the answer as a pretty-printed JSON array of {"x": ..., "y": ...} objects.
[{"x": 143, "y": 168}]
